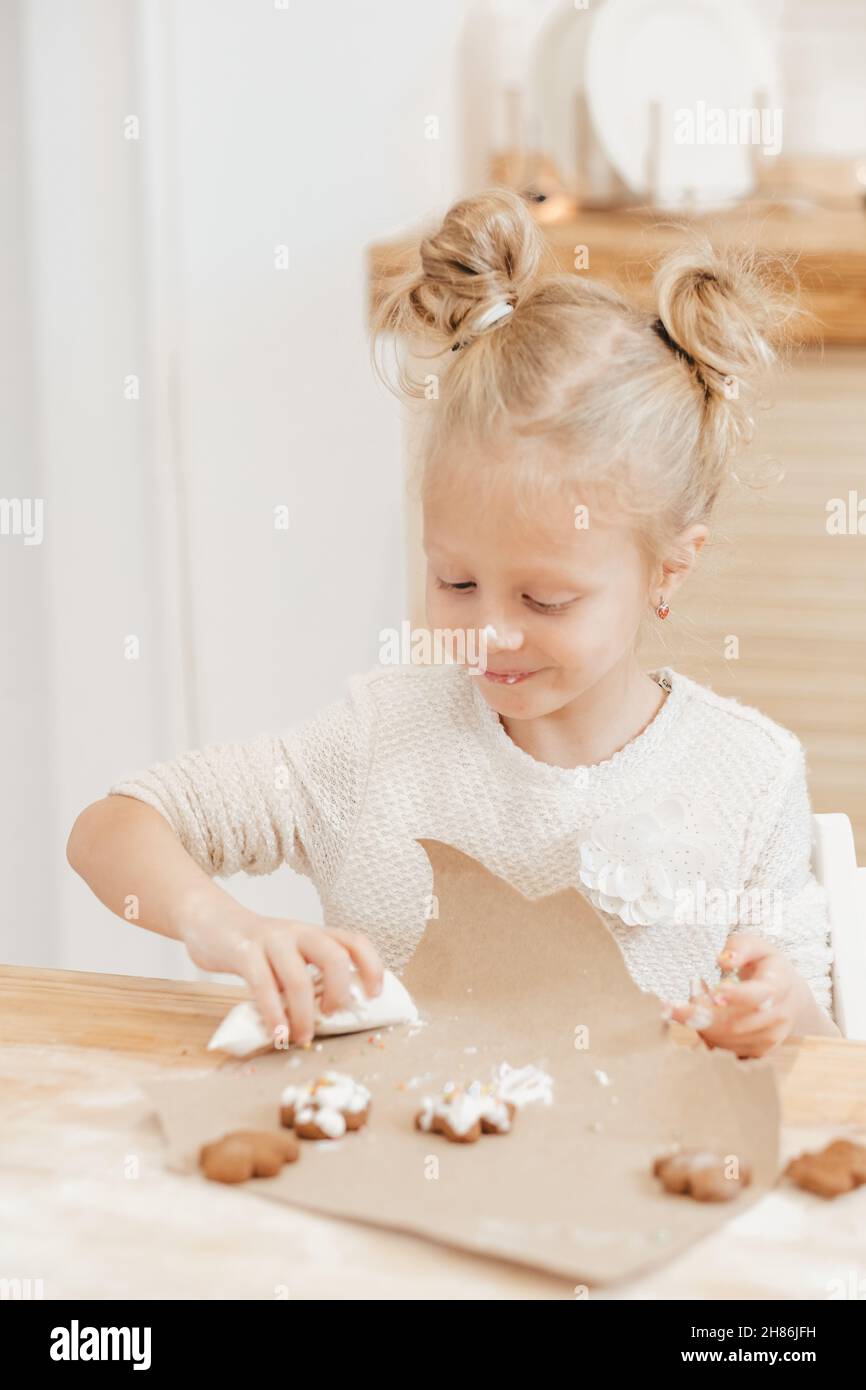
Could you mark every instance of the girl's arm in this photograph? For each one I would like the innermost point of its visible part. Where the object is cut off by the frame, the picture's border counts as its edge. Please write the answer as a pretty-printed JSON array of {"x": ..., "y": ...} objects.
[
  {"x": 781, "y": 944},
  {"x": 784, "y": 902},
  {"x": 811, "y": 1018},
  {"x": 135, "y": 864},
  {"x": 150, "y": 849},
  {"x": 116, "y": 845}
]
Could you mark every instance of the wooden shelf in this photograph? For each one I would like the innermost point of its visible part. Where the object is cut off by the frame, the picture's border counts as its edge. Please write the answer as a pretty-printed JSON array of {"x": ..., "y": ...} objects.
[{"x": 826, "y": 246}]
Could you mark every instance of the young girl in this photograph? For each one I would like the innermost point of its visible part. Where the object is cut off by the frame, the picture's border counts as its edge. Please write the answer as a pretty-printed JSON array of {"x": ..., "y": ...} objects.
[{"x": 574, "y": 448}]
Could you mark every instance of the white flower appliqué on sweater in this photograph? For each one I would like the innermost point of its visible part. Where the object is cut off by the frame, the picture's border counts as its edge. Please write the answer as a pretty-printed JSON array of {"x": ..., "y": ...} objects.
[{"x": 641, "y": 864}]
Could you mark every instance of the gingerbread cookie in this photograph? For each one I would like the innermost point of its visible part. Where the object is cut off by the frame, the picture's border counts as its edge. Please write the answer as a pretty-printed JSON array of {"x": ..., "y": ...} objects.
[
  {"x": 700, "y": 1174},
  {"x": 833, "y": 1171},
  {"x": 463, "y": 1113},
  {"x": 326, "y": 1108},
  {"x": 247, "y": 1153}
]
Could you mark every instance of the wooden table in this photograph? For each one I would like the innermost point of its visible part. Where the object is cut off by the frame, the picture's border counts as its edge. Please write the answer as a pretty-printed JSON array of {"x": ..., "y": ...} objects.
[{"x": 87, "y": 1206}]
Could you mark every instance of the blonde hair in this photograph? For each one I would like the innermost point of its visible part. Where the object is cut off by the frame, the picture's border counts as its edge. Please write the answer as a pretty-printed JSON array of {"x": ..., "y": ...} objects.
[{"x": 647, "y": 407}]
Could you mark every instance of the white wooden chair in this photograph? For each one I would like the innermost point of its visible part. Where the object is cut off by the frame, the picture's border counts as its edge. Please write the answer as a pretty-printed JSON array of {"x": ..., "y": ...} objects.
[{"x": 834, "y": 862}]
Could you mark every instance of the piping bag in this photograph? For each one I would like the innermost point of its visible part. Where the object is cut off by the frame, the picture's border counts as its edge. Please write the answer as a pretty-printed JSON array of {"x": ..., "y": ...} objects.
[{"x": 243, "y": 1031}]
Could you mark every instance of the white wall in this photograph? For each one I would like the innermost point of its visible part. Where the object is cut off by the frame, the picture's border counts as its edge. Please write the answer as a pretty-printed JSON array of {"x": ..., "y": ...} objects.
[
  {"x": 259, "y": 126},
  {"x": 823, "y": 51},
  {"x": 28, "y": 894}
]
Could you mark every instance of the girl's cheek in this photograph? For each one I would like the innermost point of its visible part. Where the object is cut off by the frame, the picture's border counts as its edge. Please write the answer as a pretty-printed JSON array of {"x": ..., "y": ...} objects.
[
  {"x": 581, "y": 644},
  {"x": 437, "y": 599},
  {"x": 565, "y": 633},
  {"x": 444, "y": 612}
]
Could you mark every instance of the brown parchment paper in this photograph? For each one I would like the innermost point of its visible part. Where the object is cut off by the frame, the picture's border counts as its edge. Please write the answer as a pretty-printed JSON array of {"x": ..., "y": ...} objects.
[{"x": 499, "y": 977}]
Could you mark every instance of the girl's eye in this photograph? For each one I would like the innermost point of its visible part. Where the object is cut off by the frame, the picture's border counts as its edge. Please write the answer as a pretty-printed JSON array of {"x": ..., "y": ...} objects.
[
  {"x": 464, "y": 586},
  {"x": 550, "y": 607}
]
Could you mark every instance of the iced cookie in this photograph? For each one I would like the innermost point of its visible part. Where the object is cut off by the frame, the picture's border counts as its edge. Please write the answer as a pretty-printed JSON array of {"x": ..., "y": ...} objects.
[
  {"x": 325, "y": 1108},
  {"x": 463, "y": 1113},
  {"x": 247, "y": 1153},
  {"x": 700, "y": 1174},
  {"x": 833, "y": 1171}
]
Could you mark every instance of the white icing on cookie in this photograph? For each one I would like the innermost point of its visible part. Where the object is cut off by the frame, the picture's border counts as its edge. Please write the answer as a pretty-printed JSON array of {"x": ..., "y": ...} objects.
[
  {"x": 523, "y": 1085},
  {"x": 326, "y": 1101},
  {"x": 331, "y": 1122},
  {"x": 461, "y": 1107},
  {"x": 496, "y": 1113},
  {"x": 703, "y": 1159}
]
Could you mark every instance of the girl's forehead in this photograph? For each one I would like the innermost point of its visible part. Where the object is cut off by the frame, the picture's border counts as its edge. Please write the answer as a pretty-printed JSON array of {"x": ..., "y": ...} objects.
[
  {"x": 554, "y": 530},
  {"x": 530, "y": 486},
  {"x": 515, "y": 506}
]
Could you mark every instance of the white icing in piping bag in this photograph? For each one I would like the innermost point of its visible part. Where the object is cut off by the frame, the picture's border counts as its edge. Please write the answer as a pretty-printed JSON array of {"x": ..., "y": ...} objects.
[{"x": 242, "y": 1031}]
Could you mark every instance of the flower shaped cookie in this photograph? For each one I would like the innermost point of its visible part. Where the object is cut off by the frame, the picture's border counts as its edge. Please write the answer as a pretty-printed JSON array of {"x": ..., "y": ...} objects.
[
  {"x": 702, "y": 1175},
  {"x": 325, "y": 1108},
  {"x": 836, "y": 1169},
  {"x": 247, "y": 1153},
  {"x": 463, "y": 1113}
]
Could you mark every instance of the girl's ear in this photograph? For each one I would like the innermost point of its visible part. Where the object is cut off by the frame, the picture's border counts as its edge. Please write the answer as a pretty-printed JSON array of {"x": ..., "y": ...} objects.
[
  {"x": 700, "y": 534},
  {"x": 679, "y": 564}
]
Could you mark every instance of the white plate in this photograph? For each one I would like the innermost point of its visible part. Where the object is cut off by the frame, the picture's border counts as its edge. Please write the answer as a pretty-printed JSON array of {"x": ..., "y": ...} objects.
[
  {"x": 680, "y": 53},
  {"x": 556, "y": 76}
]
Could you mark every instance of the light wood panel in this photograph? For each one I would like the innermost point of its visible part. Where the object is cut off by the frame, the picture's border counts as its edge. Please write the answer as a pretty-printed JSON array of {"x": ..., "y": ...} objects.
[
  {"x": 793, "y": 595},
  {"x": 165, "y": 1021}
]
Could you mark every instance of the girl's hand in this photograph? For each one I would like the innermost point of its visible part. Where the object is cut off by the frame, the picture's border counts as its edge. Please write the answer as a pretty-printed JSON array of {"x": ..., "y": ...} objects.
[
  {"x": 755, "y": 1014},
  {"x": 272, "y": 954}
]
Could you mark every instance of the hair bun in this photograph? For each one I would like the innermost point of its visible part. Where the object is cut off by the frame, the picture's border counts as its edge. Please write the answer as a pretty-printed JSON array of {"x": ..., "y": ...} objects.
[
  {"x": 487, "y": 250},
  {"x": 720, "y": 309}
]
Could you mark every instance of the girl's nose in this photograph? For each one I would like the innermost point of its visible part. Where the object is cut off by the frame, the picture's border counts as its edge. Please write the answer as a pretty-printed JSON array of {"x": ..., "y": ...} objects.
[{"x": 503, "y": 639}]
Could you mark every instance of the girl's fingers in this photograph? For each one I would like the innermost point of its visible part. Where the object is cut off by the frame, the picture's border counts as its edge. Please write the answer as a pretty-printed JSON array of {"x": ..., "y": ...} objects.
[
  {"x": 365, "y": 957},
  {"x": 754, "y": 1022},
  {"x": 702, "y": 1016},
  {"x": 697, "y": 1013},
  {"x": 678, "y": 1012},
  {"x": 253, "y": 965},
  {"x": 759, "y": 1044},
  {"x": 746, "y": 994},
  {"x": 288, "y": 966},
  {"x": 744, "y": 949},
  {"x": 333, "y": 960},
  {"x": 741, "y": 1025}
]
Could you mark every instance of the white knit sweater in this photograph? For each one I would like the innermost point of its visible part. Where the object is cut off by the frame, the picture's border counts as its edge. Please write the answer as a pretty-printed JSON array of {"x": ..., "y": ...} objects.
[{"x": 698, "y": 826}]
